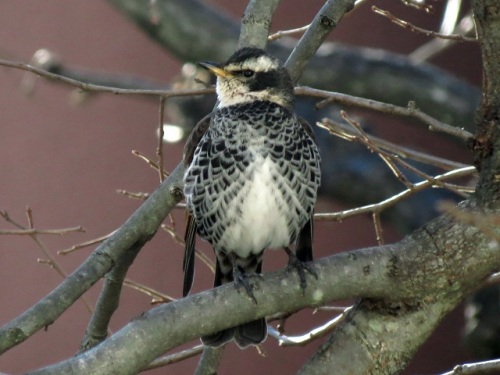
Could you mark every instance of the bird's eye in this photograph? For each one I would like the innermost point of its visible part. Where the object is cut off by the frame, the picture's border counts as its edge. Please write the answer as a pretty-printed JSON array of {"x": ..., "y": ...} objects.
[{"x": 248, "y": 73}]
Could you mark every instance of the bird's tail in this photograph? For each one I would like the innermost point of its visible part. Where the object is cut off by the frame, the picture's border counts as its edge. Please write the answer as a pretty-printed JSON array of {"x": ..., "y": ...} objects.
[
  {"x": 251, "y": 333},
  {"x": 246, "y": 334}
]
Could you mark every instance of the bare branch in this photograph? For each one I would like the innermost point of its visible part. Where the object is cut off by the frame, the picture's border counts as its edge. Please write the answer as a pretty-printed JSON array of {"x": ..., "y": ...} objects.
[
  {"x": 209, "y": 361},
  {"x": 159, "y": 149},
  {"x": 156, "y": 296},
  {"x": 50, "y": 260},
  {"x": 437, "y": 92},
  {"x": 317, "y": 332},
  {"x": 478, "y": 368},
  {"x": 408, "y": 271},
  {"x": 411, "y": 27},
  {"x": 176, "y": 357},
  {"x": 280, "y": 34},
  {"x": 345, "y": 132},
  {"x": 85, "y": 244},
  {"x": 109, "y": 299},
  {"x": 35, "y": 231},
  {"x": 410, "y": 111},
  {"x": 323, "y": 23},
  {"x": 437, "y": 45},
  {"x": 256, "y": 23},
  {"x": 379, "y": 207},
  {"x": 103, "y": 89}
]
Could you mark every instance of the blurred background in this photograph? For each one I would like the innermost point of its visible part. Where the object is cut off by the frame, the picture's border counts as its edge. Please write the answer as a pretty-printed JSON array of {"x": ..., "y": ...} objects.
[{"x": 65, "y": 159}]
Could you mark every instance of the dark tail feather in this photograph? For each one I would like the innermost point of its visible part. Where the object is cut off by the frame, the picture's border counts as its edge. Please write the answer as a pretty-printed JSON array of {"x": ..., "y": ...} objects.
[
  {"x": 304, "y": 250},
  {"x": 251, "y": 333},
  {"x": 219, "y": 338},
  {"x": 222, "y": 337}
]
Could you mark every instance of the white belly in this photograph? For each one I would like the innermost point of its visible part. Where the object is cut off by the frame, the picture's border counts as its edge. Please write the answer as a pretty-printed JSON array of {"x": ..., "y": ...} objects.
[{"x": 261, "y": 214}]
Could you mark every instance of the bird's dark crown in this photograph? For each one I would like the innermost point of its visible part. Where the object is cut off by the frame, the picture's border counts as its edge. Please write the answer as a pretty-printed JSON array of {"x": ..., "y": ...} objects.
[{"x": 245, "y": 54}]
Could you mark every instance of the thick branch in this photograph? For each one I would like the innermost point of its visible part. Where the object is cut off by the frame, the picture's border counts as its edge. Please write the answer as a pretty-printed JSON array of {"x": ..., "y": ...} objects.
[
  {"x": 323, "y": 23},
  {"x": 256, "y": 23},
  {"x": 136, "y": 231},
  {"x": 109, "y": 299},
  {"x": 487, "y": 141},
  {"x": 428, "y": 271}
]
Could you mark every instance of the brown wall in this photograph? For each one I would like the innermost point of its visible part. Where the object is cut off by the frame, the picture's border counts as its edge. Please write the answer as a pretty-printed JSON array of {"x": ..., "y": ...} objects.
[{"x": 66, "y": 162}]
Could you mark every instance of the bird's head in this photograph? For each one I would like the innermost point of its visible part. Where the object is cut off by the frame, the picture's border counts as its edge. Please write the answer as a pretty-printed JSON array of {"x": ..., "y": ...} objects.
[{"x": 251, "y": 74}]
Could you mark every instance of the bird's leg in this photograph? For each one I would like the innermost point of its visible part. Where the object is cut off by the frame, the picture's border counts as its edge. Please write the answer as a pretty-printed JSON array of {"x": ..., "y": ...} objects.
[
  {"x": 301, "y": 267},
  {"x": 241, "y": 279}
]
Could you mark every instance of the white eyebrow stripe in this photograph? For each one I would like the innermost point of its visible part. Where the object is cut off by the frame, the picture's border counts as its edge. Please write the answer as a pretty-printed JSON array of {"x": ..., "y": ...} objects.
[
  {"x": 260, "y": 64},
  {"x": 266, "y": 63}
]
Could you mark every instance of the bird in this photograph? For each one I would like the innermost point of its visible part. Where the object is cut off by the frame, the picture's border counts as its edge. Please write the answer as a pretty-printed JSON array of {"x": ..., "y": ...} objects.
[{"x": 252, "y": 172}]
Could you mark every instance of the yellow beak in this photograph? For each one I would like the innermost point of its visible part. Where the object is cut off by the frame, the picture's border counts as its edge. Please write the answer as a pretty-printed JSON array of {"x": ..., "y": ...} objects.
[{"x": 215, "y": 69}]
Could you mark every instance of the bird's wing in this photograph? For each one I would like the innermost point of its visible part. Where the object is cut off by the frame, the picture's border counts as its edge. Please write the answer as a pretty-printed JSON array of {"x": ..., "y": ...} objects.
[
  {"x": 304, "y": 248},
  {"x": 189, "y": 255},
  {"x": 307, "y": 127},
  {"x": 190, "y": 235},
  {"x": 194, "y": 138}
]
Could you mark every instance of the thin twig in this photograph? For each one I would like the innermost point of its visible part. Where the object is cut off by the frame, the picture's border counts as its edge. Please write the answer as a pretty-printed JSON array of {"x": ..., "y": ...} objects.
[
  {"x": 85, "y": 244},
  {"x": 410, "y": 111},
  {"x": 478, "y": 368},
  {"x": 433, "y": 47},
  {"x": 176, "y": 357},
  {"x": 134, "y": 195},
  {"x": 149, "y": 161},
  {"x": 34, "y": 231},
  {"x": 104, "y": 89},
  {"x": 391, "y": 160},
  {"x": 378, "y": 228},
  {"x": 51, "y": 261},
  {"x": 386, "y": 158},
  {"x": 159, "y": 150},
  {"x": 380, "y": 206},
  {"x": 317, "y": 332},
  {"x": 156, "y": 296},
  {"x": 407, "y": 25},
  {"x": 418, "y": 4},
  {"x": 282, "y": 33},
  {"x": 29, "y": 216},
  {"x": 343, "y": 131}
]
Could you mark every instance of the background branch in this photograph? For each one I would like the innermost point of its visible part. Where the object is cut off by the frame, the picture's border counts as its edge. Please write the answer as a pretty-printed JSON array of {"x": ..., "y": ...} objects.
[{"x": 352, "y": 70}]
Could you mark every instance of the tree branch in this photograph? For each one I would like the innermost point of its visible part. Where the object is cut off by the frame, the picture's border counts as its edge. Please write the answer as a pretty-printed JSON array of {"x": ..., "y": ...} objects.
[
  {"x": 97, "y": 329},
  {"x": 193, "y": 30},
  {"x": 418, "y": 280},
  {"x": 256, "y": 23},
  {"x": 323, "y": 23},
  {"x": 135, "y": 232}
]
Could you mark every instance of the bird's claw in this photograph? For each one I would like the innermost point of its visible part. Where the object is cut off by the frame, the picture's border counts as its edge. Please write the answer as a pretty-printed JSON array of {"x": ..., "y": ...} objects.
[
  {"x": 301, "y": 268},
  {"x": 242, "y": 279}
]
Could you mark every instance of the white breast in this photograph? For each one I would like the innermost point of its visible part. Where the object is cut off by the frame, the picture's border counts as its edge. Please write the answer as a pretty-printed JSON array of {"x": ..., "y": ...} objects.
[{"x": 261, "y": 214}]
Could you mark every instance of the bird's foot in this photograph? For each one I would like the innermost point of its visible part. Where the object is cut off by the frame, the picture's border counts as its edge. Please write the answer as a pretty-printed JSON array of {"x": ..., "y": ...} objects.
[
  {"x": 242, "y": 279},
  {"x": 301, "y": 268}
]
